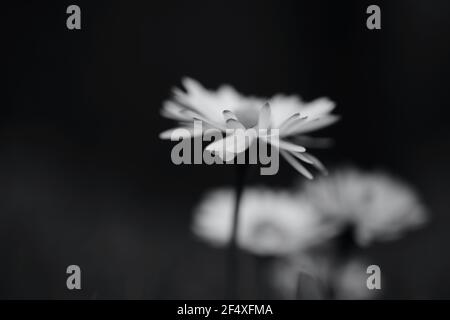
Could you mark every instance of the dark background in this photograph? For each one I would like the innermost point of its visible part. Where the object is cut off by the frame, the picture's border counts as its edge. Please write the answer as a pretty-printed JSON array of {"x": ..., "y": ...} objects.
[{"x": 85, "y": 179}]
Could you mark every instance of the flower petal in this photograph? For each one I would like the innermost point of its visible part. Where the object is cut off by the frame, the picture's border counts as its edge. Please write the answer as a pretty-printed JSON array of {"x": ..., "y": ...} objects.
[
  {"x": 197, "y": 98},
  {"x": 297, "y": 165},
  {"x": 316, "y": 163},
  {"x": 219, "y": 147},
  {"x": 234, "y": 143},
  {"x": 210, "y": 123},
  {"x": 180, "y": 133},
  {"x": 300, "y": 155},
  {"x": 315, "y": 124},
  {"x": 234, "y": 124},
  {"x": 289, "y": 121},
  {"x": 264, "y": 117},
  {"x": 227, "y": 114},
  {"x": 174, "y": 111},
  {"x": 282, "y": 144},
  {"x": 292, "y": 126},
  {"x": 318, "y": 108}
]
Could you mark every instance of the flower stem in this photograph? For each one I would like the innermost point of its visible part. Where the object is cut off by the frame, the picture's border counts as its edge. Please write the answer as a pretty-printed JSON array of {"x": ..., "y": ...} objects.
[{"x": 233, "y": 265}]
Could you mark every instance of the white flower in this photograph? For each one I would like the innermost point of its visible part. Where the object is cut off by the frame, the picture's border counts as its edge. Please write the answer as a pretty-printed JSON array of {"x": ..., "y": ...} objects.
[
  {"x": 345, "y": 280},
  {"x": 376, "y": 206},
  {"x": 270, "y": 223},
  {"x": 227, "y": 110}
]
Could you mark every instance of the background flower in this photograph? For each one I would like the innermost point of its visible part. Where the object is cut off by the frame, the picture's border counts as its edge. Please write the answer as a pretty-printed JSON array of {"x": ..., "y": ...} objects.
[
  {"x": 271, "y": 223},
  {"x": 322, "y": 277},
  {"x": 374, "y": 205}
]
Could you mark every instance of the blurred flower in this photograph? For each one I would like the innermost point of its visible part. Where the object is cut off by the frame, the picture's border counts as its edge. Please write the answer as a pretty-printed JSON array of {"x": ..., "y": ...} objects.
[
  {"x": 351, "y": 281},
  {"x": 374, "y": 205},
  {"x": 227, "y": 110},
  {"x": 271, "y": 223},
  {"x": 344, "y": 280}
]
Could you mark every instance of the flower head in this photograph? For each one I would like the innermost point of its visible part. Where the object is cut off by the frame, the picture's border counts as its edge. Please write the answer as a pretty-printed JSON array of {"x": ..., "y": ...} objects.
[
  {"x": 225, "y": 109},
  {"x": 271, "y": 223},
  {"x": 374, "y": 205}
]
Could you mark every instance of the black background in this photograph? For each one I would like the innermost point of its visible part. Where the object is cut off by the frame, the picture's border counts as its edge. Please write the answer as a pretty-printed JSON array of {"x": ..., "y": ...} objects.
[{"x": 85, "y": 179}]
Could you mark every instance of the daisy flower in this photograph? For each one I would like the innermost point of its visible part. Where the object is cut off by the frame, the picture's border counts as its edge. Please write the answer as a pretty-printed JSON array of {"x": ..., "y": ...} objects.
[
  {"x": 374, "y": 205},
  {"x": 281, "y": 121},
  {"x": 271, "y": 223}
]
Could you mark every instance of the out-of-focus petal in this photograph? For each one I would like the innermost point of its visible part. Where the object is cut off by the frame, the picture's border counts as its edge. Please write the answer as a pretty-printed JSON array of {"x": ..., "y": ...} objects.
[
  {"x": 297, "y": 165},
  {"x": 264, "y": 117}
]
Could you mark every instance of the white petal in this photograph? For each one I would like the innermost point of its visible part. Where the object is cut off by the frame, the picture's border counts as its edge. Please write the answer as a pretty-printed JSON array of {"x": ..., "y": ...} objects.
[
  {"x": 318, "y": 107},
  {"x": 198, "y": 99},
  {"x": 316, "y": 124},
  {"x": 227, "y": 114},
  {"x": 289, "y": 121},
  {"x": 174, "y": 111},
  {"x": 297, "y": 165},
  {"x": 180, "y": 133},
  {"x": 234, "y": 124},
  {"x": 264, "y": 117},
  {"x": 210, "y": 123},
  {"x": 316, "y": 163},
  {"x": 301, "y": 156},
  {"x": 234, "y": 143},
  {"x": 292, "y": 126},
  {"x": 192, "y": 86},
  {"x": 282, "y": 144}
]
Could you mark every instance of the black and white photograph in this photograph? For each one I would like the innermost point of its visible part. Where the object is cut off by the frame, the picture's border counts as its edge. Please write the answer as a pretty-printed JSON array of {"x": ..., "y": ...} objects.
[{"x": 225, "y": 151}]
